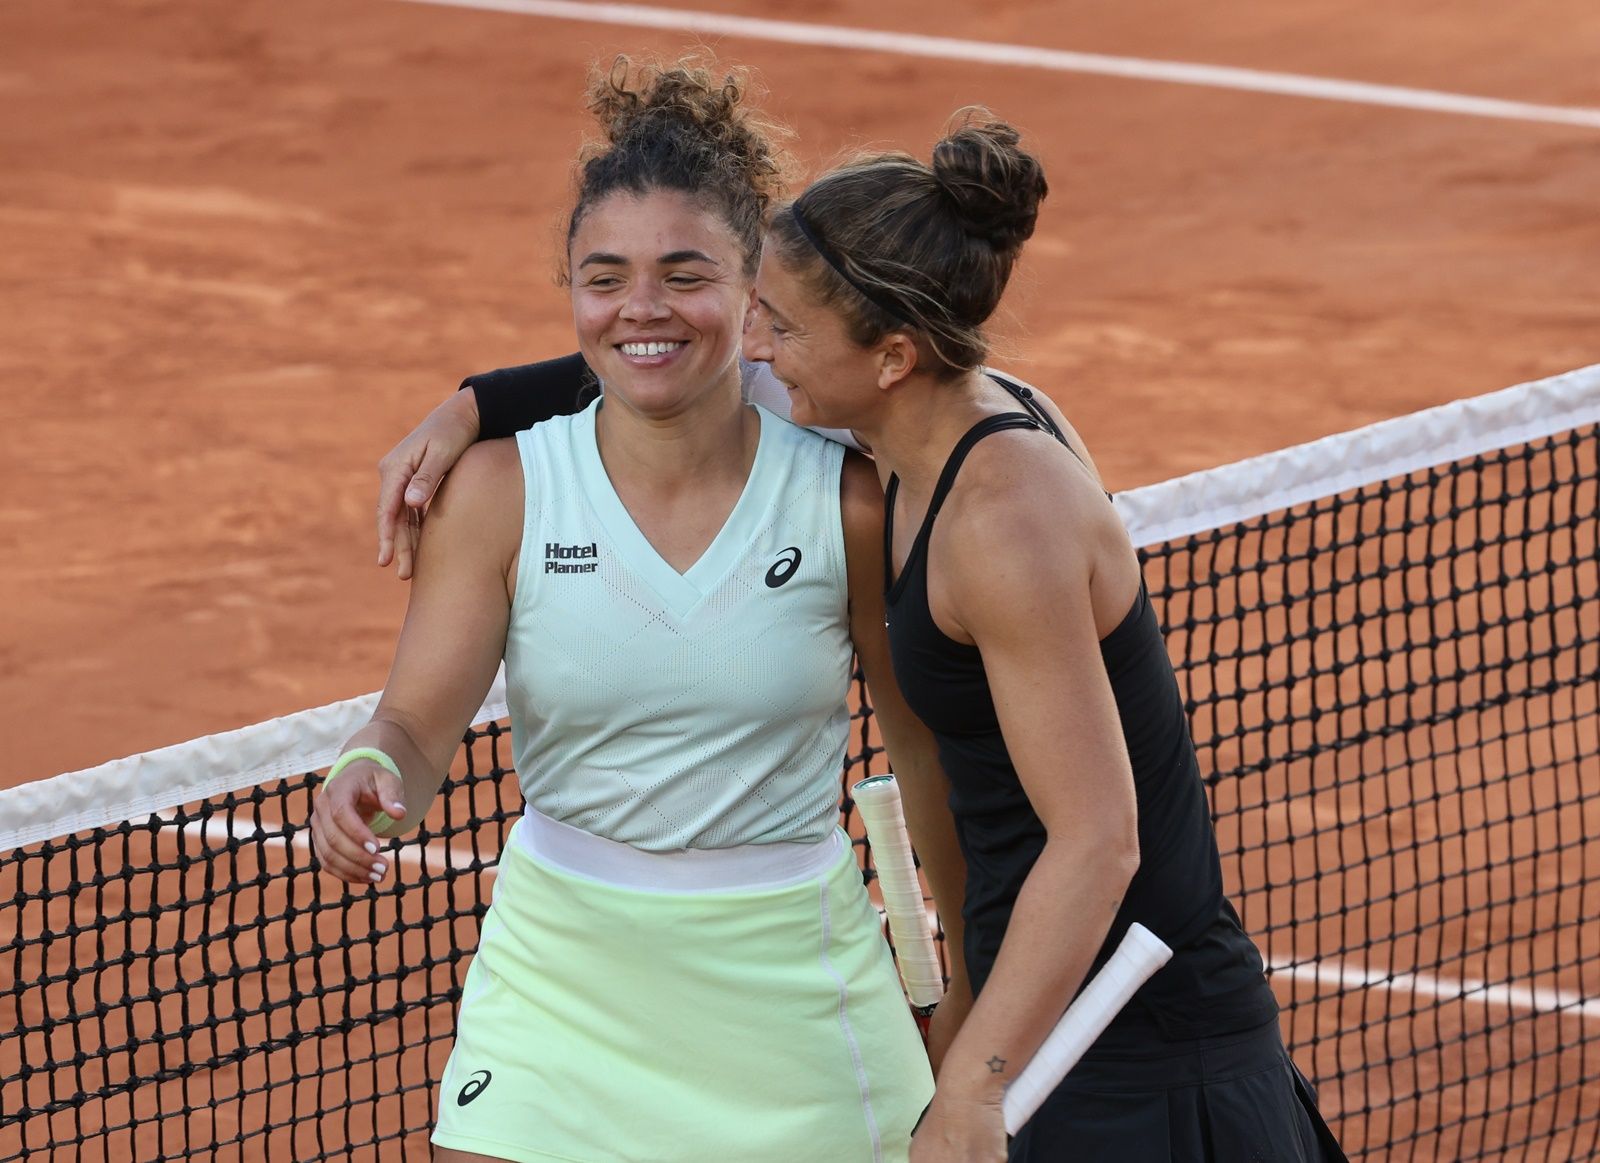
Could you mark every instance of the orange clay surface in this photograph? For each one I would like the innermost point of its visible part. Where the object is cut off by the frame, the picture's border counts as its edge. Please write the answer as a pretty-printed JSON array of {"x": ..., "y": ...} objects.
[{"x": 247, "y": 245}]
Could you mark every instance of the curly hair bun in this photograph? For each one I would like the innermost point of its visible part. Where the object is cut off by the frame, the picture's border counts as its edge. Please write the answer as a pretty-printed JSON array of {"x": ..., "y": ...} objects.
[
  {"x": 682, "y": 106},
  {"x": 994, "y": 184},
  {"x": 676, "y": 126}
]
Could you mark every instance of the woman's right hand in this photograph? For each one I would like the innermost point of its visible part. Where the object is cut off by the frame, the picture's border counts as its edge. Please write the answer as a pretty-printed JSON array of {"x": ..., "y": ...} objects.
[
  {"x": 341, "y": 822},
  {"x": 411, "y": 471}
]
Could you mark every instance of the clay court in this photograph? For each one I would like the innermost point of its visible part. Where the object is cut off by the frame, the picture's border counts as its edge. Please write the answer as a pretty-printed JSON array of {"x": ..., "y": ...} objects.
[{"x": 249, "y": 244}]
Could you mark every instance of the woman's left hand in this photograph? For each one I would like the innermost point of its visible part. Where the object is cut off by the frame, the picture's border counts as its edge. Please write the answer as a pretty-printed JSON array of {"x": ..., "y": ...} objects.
[{"x": 961, "y": 1129}]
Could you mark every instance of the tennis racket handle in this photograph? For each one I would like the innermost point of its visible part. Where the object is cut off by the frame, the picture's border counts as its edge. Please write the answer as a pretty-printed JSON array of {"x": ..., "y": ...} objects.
[
  {"x": 1139, "y": 955},
  {"x": 878, "y": 797}
]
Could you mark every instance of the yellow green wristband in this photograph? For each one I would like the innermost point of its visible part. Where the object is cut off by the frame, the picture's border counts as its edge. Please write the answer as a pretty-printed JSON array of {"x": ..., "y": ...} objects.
[{"x": 381, "y": 758}]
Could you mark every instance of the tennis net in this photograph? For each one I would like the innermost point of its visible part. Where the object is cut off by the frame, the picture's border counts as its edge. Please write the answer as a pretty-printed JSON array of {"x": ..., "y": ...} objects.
[{"x": 1390, "y": 645}]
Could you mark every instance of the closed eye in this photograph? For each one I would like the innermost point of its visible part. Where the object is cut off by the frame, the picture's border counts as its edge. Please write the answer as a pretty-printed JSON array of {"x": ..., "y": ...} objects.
[{"x": 771, "y": 317}]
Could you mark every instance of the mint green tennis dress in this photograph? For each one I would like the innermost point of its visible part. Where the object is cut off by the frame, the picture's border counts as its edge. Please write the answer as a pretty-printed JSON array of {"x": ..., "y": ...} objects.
[{"x": 681, "y": 962}]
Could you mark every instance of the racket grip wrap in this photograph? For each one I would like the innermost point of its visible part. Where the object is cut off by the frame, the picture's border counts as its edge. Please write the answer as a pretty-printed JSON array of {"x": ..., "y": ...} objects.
[
  {"x": 878, "y": 798},
  {"x": 1137, "y": 957}
]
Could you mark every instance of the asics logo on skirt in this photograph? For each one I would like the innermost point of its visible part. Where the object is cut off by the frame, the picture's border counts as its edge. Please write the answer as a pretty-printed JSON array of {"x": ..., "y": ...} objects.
[
  {"x": 783, "y": 569},
  {"x": 474, "y": 1087}
]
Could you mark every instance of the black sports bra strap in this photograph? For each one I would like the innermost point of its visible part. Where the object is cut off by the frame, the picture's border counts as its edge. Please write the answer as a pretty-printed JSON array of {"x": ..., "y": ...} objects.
[
  {"x": 1024, "y": 396},
  {"x": 947, "y": 478},
  {"x": 958, "y": 455}
]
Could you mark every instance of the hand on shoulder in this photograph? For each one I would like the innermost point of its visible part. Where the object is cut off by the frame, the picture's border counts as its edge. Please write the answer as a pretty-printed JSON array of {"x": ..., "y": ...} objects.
[
  {"x": 479, "y": 506},
  {"x": 481, "y": 477}
]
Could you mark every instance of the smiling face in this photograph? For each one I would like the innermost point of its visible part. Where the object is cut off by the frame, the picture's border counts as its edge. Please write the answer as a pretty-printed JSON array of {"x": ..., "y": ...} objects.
[
  {"x": 659, "y": 299},
  {"x": 833, "y": 381}
]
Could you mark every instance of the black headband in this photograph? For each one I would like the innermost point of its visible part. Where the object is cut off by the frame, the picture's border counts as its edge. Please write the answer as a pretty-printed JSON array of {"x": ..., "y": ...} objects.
[{"x": 878, "y": 299}]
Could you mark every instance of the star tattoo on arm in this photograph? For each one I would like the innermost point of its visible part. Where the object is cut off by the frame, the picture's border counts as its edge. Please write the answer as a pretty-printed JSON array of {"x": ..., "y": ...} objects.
[{"x": 996, "y": 1064}]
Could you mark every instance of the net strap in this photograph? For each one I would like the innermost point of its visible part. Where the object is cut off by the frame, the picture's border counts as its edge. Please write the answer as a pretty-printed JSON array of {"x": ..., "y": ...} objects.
[
  {"x": 213, "y": 765},
  {"x": 1220, "y": 497}
]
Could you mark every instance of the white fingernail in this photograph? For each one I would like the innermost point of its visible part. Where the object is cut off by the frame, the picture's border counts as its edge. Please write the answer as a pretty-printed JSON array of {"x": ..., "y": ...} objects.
[
  {"x": 379, "y": 869},
  {"x": 372, "y": 849},
  {"x": 398, "y": 806}
]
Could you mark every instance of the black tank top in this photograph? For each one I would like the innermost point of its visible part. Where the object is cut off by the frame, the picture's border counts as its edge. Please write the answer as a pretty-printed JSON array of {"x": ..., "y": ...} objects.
[{"x": 1215, "y": 983}]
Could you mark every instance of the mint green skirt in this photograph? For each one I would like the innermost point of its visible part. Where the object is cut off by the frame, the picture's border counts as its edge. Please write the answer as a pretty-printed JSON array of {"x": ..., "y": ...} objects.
[{"x": 601, "y": 1023}]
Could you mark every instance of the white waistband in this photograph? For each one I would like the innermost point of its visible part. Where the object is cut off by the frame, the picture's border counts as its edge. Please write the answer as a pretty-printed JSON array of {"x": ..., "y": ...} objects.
[{"x": 746, "y": 867}]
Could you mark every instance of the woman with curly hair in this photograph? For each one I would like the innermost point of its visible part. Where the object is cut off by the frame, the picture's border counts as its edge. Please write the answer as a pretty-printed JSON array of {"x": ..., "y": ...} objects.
[{"x": 681, "y": 962}]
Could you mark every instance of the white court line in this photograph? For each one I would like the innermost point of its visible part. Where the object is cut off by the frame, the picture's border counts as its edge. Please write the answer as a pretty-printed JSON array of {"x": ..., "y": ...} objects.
[
  {"x": 1317, "y": 972},
  {"x": 1566, "y": 1002},
  {"x": 1027, "y": 56},
  {"x": 1540, "y": 1001}
]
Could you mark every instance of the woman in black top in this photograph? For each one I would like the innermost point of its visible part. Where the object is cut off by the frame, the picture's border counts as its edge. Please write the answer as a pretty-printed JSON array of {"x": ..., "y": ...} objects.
[{"x": 1023, "y": 636}]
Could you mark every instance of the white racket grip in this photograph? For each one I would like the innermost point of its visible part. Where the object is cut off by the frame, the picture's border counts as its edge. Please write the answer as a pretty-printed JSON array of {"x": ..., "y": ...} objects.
[
  {"x": 878, "y": 797},
  {"x": 1138, "y": 956}
]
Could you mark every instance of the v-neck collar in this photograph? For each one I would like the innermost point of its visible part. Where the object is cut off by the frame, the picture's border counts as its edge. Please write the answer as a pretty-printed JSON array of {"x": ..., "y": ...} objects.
[{"x": 680, "y": 592}]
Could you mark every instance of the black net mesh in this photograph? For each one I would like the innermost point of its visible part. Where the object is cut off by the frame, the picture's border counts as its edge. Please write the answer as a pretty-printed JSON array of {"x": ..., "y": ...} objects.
[{"x": 1396, "y": 693}]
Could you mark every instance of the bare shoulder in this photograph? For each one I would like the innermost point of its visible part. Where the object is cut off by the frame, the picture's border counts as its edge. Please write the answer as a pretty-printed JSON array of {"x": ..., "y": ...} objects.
[
  {"x": 479, "y": 506},
  {"x": 488, "y": 475},
  {"x": 1026, "y": 520},
  {"x": 861, "y": 514},
  {"x": 860, "y": 493},
  {"x": 1053, "y": 410},
  {"x": 1020, "y": 487}
]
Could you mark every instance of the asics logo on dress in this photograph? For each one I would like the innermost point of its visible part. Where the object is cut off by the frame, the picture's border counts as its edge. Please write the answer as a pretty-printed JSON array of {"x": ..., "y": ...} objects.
[
  {"x": 783, "y": 569},
  {"x": 474, "y": 1087},
  {"x": 558, "y": 558}
]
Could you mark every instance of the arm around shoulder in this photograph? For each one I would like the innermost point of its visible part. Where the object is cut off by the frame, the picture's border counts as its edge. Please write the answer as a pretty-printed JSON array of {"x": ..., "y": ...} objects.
[
  {"x": 489, "y": 406},
  {"x": 510, "y": 399}
]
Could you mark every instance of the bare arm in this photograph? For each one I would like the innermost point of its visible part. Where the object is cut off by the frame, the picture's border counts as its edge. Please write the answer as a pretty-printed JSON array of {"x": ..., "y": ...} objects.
[
  {"x": 446, "y": 658},
  {"x": 912, "y": 750},
  {"x": 1041, "y": 652},
  {"x": 491, "y": 405}
]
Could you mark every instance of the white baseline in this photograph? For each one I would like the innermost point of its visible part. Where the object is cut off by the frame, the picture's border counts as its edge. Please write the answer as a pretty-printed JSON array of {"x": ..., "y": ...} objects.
[
  {"x": 1027, "y": 56},
  {"x": 1345, "y": 976}
]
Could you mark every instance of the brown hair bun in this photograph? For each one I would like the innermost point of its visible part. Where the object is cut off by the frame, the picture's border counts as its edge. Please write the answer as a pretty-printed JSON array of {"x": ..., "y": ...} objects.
[{"x": 994, "y": 185}]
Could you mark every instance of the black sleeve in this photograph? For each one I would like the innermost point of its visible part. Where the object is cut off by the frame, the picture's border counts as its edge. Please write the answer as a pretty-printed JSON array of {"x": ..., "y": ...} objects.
[{"x": 513, "y": 398}]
